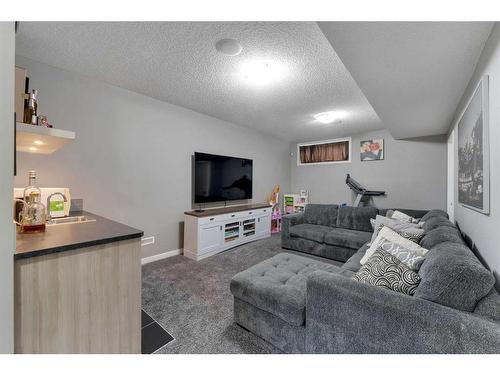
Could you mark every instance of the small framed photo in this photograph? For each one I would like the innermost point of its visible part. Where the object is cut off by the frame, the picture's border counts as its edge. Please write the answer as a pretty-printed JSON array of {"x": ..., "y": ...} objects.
[{"x": 372, "y": 149}]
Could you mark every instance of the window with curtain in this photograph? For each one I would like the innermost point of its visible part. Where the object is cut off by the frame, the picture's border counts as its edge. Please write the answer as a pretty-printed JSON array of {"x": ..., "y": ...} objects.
[{"x": 332, "y": 151}]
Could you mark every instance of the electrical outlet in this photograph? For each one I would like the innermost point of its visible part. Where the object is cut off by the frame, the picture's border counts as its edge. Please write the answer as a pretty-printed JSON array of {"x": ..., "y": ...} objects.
[{"x": 147, "y": 241}]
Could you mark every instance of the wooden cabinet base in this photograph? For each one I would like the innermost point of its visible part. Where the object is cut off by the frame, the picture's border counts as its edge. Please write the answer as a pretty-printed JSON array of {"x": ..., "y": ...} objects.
[{"x": 81, "y": 301}]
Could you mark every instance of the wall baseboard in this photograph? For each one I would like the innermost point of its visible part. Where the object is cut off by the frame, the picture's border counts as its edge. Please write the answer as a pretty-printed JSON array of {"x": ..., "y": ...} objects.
[{"x": 154, "y": 258}]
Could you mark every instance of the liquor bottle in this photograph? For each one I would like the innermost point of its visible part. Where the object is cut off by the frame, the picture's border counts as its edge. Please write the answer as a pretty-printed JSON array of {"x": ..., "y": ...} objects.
[
  {"x": 33, "y": 215},
  {"x": 30, "y": 112}
]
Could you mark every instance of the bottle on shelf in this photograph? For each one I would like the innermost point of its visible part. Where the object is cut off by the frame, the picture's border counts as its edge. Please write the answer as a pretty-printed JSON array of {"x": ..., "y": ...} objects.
[
  {"x": 32, "y": 218},
  {"x": 30, "y": 110}
]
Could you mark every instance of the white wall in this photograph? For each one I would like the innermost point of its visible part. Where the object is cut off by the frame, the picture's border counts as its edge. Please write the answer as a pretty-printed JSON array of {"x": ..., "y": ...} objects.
[
  {"x": 413, "y": 174},
  {"x": 483, "y": 229},
  {"x": 6, "y": 172},
  {"x": 131, "y": 160}
]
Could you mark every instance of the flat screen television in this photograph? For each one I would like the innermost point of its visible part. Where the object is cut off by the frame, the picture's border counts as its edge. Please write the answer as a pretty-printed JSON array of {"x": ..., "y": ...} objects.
[{"x": 219, "y": 178}]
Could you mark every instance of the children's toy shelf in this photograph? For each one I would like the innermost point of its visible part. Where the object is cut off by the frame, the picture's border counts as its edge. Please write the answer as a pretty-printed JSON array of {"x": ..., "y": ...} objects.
[{"x": 295, "y": 203}]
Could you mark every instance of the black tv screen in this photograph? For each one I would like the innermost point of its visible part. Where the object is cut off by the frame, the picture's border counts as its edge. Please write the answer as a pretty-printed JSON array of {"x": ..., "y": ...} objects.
[{"x": 220, "y": 178}]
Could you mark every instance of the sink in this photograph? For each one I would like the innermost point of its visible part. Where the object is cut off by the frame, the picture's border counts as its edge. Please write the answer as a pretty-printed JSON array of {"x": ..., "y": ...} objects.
[{"x": 70, "y": 220}]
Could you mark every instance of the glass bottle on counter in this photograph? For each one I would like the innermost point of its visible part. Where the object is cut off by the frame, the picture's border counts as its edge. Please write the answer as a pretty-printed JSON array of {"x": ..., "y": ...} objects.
[{"x": 32, "y": 218}]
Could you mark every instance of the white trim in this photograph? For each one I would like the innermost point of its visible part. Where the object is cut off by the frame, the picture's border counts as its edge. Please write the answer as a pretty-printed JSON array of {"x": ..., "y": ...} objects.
[
  {"x": 337, "y": 140},
  {"x": 154, "y": 258},
  {"x": 450, "y": 195}
]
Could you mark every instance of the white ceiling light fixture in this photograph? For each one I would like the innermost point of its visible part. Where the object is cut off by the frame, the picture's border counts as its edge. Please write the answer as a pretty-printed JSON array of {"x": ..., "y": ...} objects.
[
  {"x": 262, "y": 72},
  {"x": 228, "y": 47},
  {"x": 330, "y": 117}
]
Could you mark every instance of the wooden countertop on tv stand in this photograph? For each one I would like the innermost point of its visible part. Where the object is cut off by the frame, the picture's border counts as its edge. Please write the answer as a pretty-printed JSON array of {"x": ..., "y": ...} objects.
[{"x": 227, "y": 210}]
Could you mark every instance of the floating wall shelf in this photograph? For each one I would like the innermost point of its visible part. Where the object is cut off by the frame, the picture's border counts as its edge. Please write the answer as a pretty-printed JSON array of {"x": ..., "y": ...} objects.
[{"x": 40, "y": 139}]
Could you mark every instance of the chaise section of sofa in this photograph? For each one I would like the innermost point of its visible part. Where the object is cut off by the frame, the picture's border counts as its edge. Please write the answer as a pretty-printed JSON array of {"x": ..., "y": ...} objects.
[{"x": 270, "y": 298}]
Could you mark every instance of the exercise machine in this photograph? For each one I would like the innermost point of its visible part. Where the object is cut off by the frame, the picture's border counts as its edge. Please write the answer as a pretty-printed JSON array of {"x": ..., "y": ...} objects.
[{"x": 361, "y": 191}]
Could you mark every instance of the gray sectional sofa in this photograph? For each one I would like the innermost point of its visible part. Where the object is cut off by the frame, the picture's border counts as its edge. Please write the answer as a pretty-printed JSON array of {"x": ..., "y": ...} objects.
[{"x": 302, "y": 304}]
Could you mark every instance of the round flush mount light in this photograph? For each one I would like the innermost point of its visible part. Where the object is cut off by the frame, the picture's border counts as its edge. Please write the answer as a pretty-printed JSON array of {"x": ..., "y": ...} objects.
[
  {"x": 262, "y": 72},
  {"x": 330, "y": 117},
  {"x": 228, "y": 47}
]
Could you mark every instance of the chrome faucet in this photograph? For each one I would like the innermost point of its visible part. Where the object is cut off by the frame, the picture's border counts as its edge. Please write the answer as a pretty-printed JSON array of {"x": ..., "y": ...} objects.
[{"x": 48, "y": 202}]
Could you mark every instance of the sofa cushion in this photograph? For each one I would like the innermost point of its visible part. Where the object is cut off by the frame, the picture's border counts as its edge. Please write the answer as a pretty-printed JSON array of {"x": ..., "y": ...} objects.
[
  {"x": 434, "y": 213},
  {"x": 452, "y": 276},
  {"x": 278, "y": 285},
  {"x": 350, "y": 238},
  {"x": 489, "y": 306},
  {"x": 357, "y": 218},
  {"x": 353, "y": 263},
  {"x": 321, "y": 214},
  {"x": 441, "y": 234},
  {"x": 436, "y": 221},
  {"x": 310, "y": 232},
  {"x": 323, "y": 250},
  {"x": 386, "y": 271}
]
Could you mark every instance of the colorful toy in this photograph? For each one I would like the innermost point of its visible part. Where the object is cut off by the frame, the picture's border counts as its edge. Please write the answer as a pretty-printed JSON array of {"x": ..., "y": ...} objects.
[{"x": 276, "y": 210}]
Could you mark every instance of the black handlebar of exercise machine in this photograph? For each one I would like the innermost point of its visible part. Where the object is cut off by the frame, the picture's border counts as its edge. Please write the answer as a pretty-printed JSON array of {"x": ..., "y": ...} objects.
[{"x": 360, "y": 190}]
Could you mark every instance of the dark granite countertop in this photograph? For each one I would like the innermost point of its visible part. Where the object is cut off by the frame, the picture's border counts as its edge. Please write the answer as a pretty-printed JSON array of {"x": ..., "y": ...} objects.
[{"x": 64, "y": 237}]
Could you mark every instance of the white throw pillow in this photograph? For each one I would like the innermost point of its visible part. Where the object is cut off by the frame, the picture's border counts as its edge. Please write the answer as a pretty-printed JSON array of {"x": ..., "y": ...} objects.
[
  {"x": 401, "y": 216},
  {"x": 387, "y": 234}
]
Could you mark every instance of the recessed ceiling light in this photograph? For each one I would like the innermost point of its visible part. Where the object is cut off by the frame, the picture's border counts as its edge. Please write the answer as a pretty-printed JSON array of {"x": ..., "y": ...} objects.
[
  {"x": 37, "y": 142},
  {"x": 228, "y": 47},
  {"x": 259, "y": 72},
  {"x": 33, "y": 148},
  {"x": 329, "y": 117}
]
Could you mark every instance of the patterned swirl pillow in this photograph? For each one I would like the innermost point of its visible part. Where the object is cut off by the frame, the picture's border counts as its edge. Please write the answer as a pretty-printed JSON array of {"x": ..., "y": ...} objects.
[
  {"x": 408, "y": 257},
  {"x": 387, "y": 271},
  {"x": 387, "y": 234}
]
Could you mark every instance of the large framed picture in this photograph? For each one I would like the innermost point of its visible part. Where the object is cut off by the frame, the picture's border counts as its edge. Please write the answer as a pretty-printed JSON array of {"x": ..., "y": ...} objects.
[{"x": 473, "y": 152}]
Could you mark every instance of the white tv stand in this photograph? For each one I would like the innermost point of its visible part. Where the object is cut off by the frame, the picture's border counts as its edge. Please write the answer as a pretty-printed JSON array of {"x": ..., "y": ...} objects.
[{"x": 211, "y": 231}]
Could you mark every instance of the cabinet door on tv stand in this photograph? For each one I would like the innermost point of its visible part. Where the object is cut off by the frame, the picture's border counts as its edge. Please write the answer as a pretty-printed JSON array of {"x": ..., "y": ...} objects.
[
  {"x": 263, "y": 225},
  {"x": 210, "y": 238}
]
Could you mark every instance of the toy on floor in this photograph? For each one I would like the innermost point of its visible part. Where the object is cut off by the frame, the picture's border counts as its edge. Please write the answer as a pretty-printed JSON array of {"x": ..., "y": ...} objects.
[{"x": 276, "y": 211}]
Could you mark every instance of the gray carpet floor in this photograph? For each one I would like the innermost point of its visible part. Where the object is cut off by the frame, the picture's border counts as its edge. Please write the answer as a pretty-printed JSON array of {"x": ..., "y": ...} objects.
[{"x": 192, "y": 301}]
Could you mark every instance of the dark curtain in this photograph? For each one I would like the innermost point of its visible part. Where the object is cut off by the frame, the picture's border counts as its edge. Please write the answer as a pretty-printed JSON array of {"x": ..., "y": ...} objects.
[{"x": 326, "y": 152}]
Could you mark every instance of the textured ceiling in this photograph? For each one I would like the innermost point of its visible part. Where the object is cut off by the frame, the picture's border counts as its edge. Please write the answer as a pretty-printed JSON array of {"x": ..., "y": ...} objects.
[
  {"x": 178, "y": 63},
  {"x": 413, "y": 73}
]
